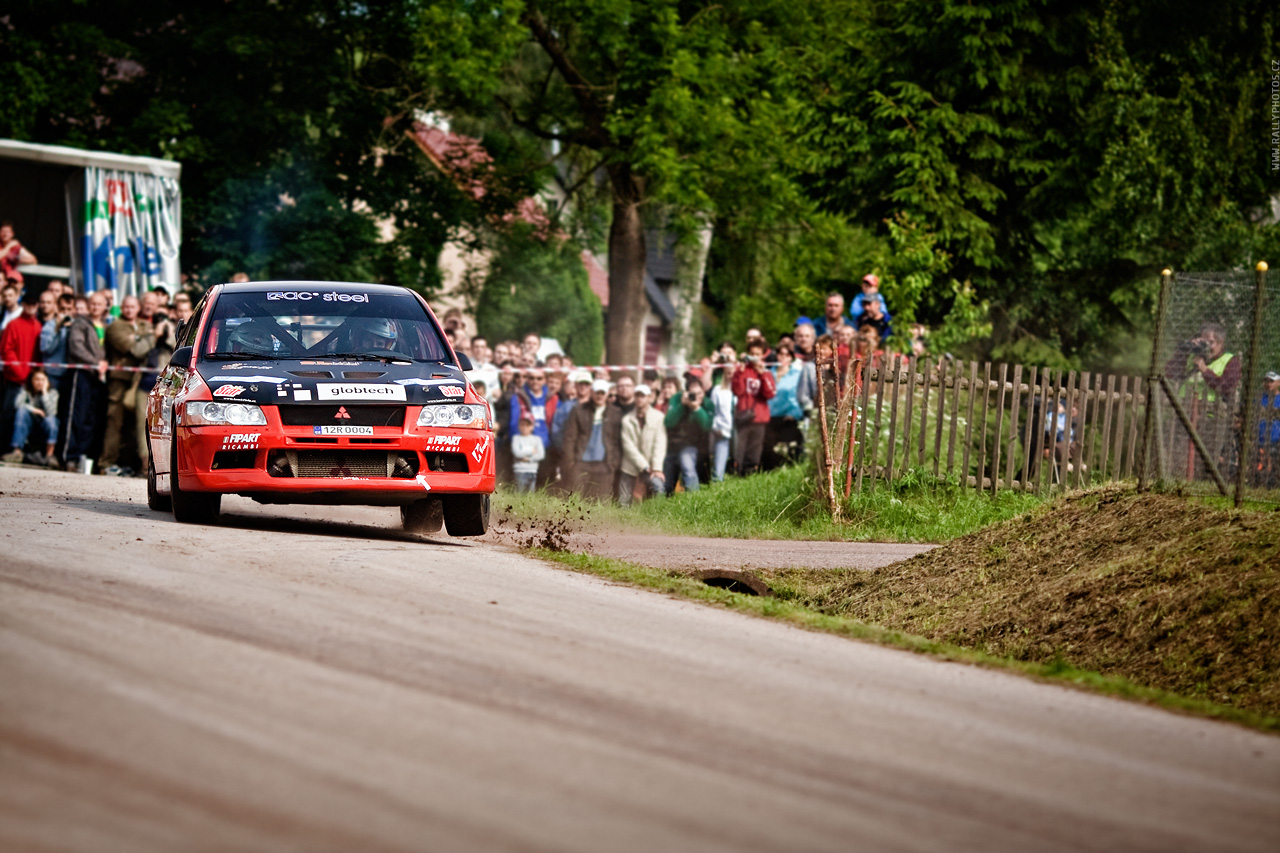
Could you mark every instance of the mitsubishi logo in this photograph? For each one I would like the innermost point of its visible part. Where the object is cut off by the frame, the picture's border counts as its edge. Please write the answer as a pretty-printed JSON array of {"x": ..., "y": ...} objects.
[{"x": 342, "y": 413}]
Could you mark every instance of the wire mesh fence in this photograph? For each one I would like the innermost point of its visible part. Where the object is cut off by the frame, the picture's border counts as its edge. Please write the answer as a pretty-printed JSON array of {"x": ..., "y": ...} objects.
[{"x": 1214, "y": 418}]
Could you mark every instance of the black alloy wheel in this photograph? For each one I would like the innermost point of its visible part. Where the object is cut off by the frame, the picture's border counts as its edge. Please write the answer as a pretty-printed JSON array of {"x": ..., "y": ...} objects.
[{"x": 466, "y": 515}]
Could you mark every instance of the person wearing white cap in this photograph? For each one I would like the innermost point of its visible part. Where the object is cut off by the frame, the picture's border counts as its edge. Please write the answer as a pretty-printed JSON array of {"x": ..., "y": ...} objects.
[
  {"x": 583, "y": 455},
  {"x": 644, "y": 446}
]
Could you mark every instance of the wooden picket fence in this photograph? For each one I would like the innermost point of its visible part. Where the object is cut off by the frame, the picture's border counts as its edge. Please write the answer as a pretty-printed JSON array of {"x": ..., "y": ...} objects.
[{"x": 980, "y": 424}]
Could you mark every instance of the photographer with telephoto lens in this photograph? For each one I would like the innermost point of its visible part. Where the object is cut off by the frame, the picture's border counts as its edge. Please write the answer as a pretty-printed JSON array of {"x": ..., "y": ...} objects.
[{"x": 1208, "y": 377}]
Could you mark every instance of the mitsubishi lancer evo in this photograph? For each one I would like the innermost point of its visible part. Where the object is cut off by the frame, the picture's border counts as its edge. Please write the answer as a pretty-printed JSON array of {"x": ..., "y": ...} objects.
[{"x": 320, "y": 393}]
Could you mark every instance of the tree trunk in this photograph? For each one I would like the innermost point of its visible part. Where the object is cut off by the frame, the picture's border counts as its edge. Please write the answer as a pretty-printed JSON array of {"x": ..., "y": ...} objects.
[
  {"x": 624, "y": 325},
  {"x": 691, "y": 266}
]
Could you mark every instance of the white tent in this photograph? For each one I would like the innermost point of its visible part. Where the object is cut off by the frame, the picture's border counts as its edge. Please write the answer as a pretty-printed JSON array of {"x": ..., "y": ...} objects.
[{"x": 94, "y": 218}]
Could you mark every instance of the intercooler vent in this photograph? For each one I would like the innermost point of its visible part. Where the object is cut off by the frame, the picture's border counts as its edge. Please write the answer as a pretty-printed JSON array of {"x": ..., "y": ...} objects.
[{"x": 336, "y": 464}]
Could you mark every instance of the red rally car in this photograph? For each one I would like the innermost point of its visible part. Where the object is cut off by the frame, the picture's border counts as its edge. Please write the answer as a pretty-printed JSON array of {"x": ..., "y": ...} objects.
[{"x": 321, "y": 393}]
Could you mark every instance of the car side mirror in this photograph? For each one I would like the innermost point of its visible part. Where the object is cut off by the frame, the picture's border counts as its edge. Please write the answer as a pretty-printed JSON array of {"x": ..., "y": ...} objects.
[
  {"x": 182, "y": 357},
  {"x": 465, "y": 362}
]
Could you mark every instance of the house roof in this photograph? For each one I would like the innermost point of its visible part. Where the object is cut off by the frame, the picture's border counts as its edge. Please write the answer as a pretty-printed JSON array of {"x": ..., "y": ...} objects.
[
  {"x": 465, "y": 160},
  {"x": 658, "y": 300},
  {"x": 660, "y": 254},
  {"x": 468, "y": 164}
]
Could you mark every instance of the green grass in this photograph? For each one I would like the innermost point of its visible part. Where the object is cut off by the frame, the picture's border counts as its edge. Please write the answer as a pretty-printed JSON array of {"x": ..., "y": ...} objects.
[
  {"x": 783, "y": 504},
  {"x": 801, "y": 616}
]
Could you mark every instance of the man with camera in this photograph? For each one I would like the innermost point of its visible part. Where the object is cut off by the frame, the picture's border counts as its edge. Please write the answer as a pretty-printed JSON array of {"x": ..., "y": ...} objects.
[
  {"x": 688, "y": 420},
  {"x": 53, "y": 338},
  {"x": 1208, "y": 376},
  {"x": 1203, "y": 364}
]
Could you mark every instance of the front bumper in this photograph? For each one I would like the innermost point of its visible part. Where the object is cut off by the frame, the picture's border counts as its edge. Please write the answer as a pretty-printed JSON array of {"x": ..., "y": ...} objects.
[{"x": 292, "y": 464}]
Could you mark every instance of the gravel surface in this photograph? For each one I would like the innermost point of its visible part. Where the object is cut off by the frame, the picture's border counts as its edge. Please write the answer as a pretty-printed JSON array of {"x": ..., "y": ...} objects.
[{"x": 316, "y": 679}]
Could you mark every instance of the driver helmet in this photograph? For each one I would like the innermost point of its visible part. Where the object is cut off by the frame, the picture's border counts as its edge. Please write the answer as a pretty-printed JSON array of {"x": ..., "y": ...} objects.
[
  {"x": 251, "y": 338},
  {"x": 376, "y": 332}
]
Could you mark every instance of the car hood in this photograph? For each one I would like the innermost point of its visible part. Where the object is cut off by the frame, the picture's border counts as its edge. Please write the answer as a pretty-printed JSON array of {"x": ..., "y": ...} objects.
[{"x": 326, "y": 381}]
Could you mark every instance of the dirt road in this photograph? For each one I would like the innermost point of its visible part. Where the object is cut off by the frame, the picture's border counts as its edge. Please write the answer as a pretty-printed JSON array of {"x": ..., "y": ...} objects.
[{"x": 312, "y": 679}]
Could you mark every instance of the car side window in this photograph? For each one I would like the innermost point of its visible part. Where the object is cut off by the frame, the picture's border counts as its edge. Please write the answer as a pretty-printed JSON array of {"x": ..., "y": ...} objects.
[{"x": 193, "y": 324}]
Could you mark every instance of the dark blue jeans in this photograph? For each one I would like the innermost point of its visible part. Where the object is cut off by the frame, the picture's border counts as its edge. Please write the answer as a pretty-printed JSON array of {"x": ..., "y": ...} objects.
[{"x": 83, "y": 396}]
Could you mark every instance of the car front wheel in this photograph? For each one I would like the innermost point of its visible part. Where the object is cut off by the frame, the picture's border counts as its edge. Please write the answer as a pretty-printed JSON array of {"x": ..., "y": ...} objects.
[
  {"x": 466, "y": 515},
  {"x": 190, "y": 507}
]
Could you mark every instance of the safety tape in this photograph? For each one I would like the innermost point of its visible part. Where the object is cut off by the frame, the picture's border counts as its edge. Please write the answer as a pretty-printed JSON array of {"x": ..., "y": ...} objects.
[
  {"x": 80, "y": 366},
  {"x": 566, "y": 370},
  {"x": 673, "y": 369}
]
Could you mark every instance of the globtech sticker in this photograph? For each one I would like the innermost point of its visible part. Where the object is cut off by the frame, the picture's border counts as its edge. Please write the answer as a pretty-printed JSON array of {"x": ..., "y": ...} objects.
[{"x": 359, "y": 391}]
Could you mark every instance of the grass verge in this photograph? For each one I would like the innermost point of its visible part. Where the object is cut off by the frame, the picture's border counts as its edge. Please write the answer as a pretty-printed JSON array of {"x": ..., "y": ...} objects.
[
  {"x": 802, "y": 616},
  {"x": 780, "y": 505}
]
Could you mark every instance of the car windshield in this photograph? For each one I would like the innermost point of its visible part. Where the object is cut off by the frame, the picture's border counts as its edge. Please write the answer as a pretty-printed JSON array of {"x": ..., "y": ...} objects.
[{"x": 323, "y": 324}]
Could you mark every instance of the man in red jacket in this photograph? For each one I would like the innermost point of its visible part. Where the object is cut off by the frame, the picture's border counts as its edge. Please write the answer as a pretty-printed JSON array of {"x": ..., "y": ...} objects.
[
  {"x": 754, "y": 387},
  {"x": 19, "y": 347}
]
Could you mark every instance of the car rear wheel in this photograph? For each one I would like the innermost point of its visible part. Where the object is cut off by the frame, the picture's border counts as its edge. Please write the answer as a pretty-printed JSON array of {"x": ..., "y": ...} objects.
[
  {"x": 425, "y": 516},
  {"x": 190, "y": 507},
  {"x": 466, "y": 515},
  {"x": 155, "y": 500}
]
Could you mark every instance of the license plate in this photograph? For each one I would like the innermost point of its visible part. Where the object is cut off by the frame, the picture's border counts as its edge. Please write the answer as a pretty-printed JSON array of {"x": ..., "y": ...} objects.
[{"x": 344, "y": 430}]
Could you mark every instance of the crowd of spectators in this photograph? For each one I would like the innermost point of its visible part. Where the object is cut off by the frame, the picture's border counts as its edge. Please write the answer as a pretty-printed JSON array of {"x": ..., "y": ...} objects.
[
  {"x": 559, "y": 427},
  {"x": 624, "y": 434},
  {"x": 77, "y": 371}
]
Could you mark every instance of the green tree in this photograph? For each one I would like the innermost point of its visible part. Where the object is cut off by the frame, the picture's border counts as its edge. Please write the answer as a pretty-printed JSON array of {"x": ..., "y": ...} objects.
[
  {"x": 534, "y": 284},
  {"x": 290, "y": 119},
  {"x": 1061, "y": 153},
  {"x": 662, "y": 98}
]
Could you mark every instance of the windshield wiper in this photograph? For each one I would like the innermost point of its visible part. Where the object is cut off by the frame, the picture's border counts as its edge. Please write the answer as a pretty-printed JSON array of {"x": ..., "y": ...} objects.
[
  {"x": 369, "y": 356},
  {"x": 243, "y": 356}
]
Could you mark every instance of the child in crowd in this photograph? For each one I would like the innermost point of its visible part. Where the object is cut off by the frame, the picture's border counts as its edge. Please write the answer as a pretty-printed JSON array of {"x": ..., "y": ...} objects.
[
  {"x": 36, "y": 408},
  {"x": 527, "y": 451}
]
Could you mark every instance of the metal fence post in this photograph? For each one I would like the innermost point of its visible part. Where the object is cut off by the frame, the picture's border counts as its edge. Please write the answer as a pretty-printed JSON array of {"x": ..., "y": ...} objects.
[
  {"x": 1153, "y": 378},
  {"x": 1248, "y": 416}
]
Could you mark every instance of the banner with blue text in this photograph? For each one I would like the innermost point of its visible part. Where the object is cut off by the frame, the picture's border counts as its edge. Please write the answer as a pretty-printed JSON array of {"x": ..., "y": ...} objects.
[{"x": 132, "y": 231}]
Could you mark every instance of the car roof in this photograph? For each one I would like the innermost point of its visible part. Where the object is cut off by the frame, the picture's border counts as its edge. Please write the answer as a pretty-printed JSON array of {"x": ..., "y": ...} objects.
[{"x": 340, "y": 286}]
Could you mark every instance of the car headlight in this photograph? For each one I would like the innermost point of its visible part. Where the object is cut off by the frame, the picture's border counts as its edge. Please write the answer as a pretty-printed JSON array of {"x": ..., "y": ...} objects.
[
  {"x": 455, "y": 415},
  {"x": 217, "y": 414}
]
